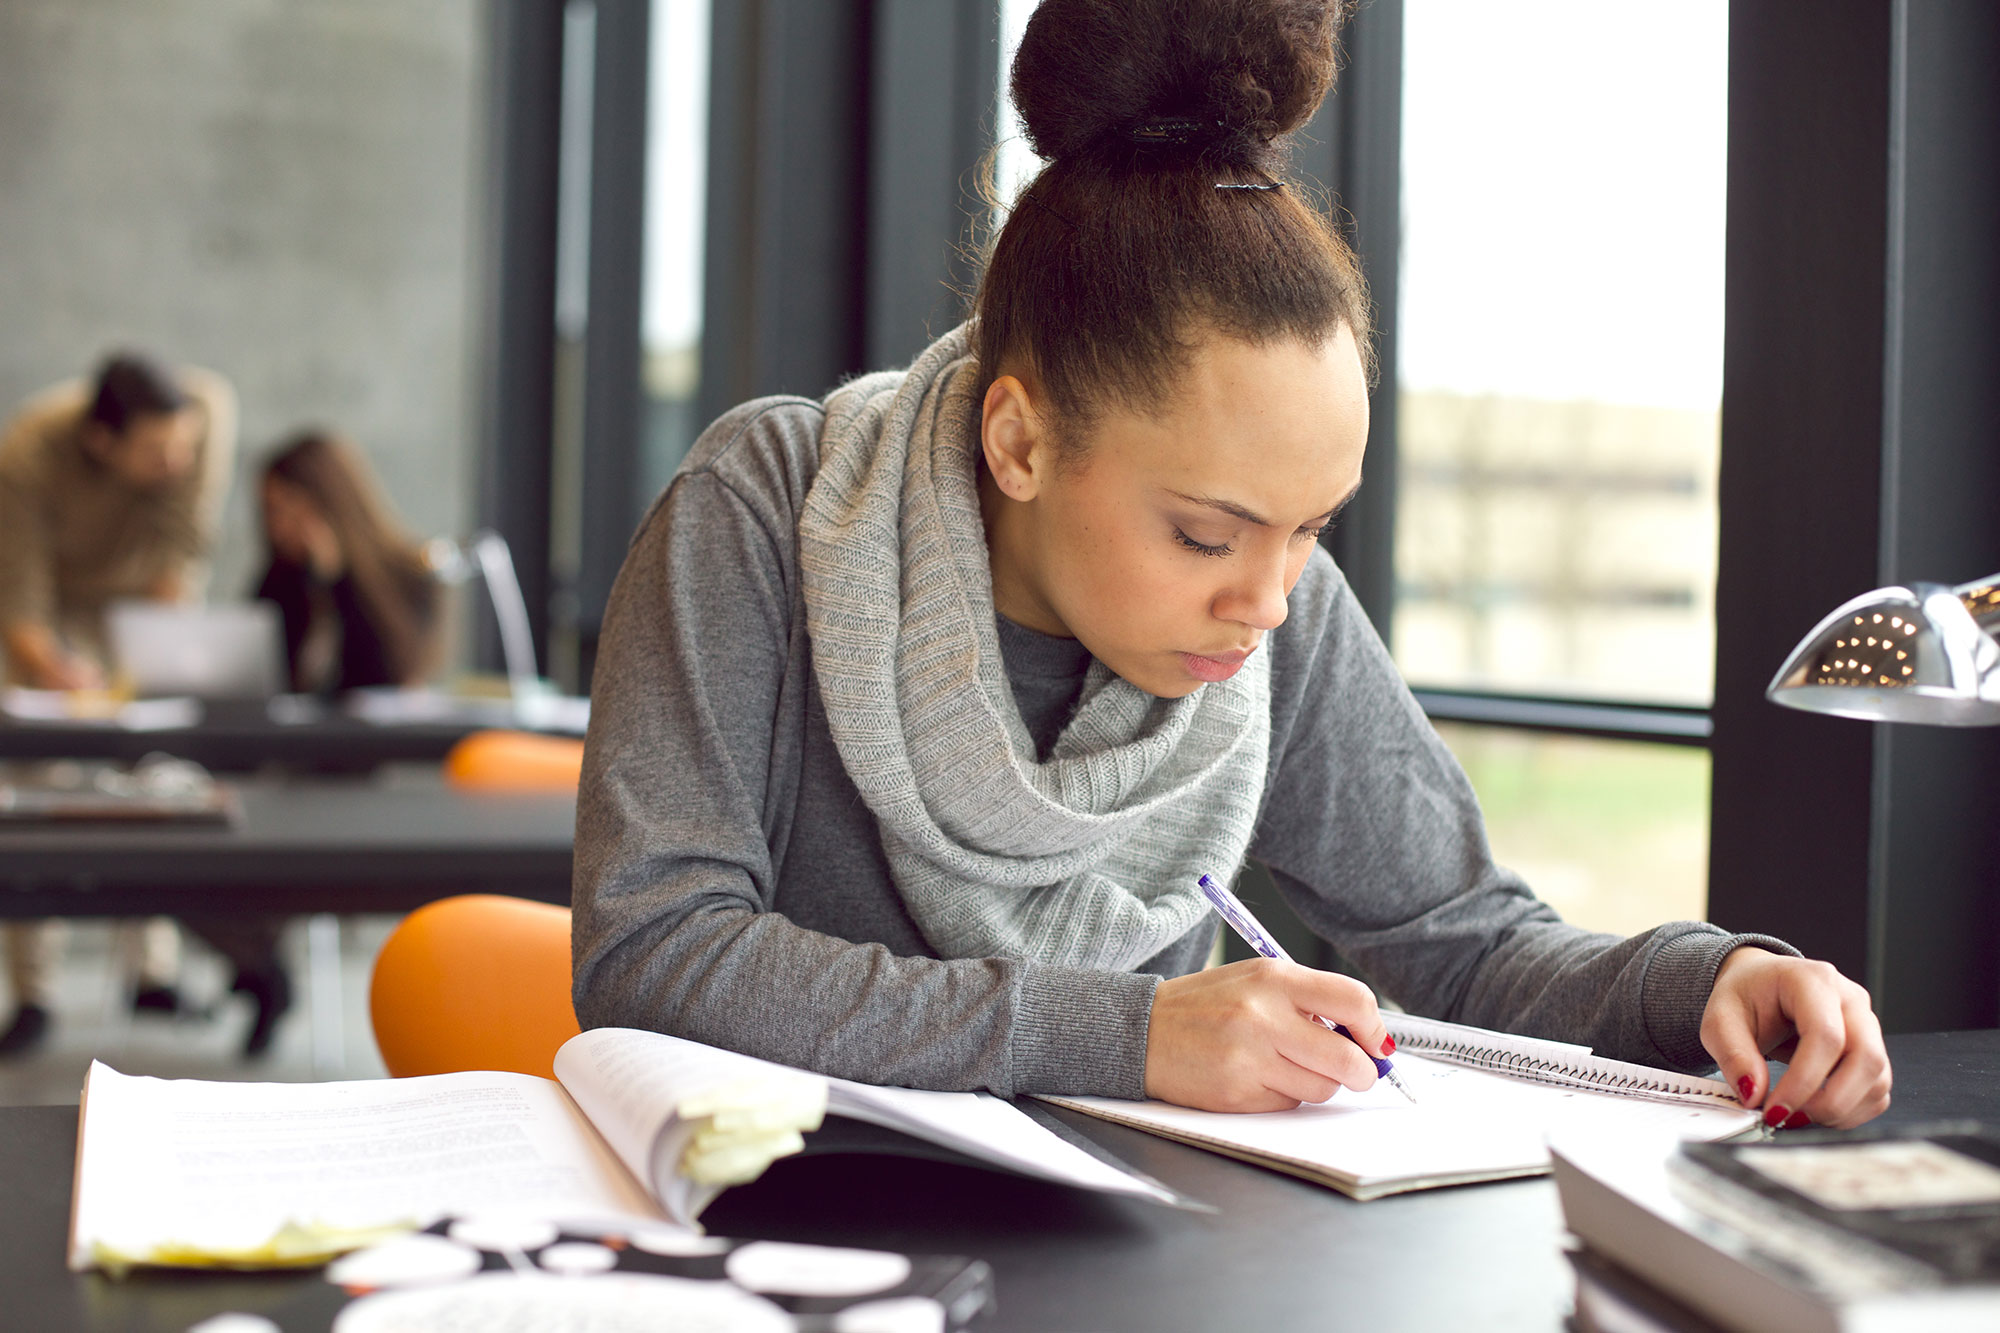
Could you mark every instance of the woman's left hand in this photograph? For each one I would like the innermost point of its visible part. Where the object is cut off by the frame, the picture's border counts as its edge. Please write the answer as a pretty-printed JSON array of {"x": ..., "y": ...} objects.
[{"x": 1806, "y": 1013}]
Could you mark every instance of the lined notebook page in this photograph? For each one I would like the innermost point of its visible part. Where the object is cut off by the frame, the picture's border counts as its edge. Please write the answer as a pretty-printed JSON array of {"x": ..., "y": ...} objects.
[{"x": 1468, "y": 1124}]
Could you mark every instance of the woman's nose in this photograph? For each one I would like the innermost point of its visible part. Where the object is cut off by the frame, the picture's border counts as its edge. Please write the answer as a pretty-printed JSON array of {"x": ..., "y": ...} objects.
[{"x": 1258, "y": 599}]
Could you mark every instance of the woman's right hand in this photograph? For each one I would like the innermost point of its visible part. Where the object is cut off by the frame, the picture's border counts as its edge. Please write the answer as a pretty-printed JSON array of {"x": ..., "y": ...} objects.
[
  {"x": 1242, "y": 1037},
  {"x": 67, "y": 671},
  {"x": 40, "y": 660}
]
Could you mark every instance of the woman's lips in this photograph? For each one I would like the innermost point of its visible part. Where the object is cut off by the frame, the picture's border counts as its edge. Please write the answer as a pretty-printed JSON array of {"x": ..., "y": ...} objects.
[{"x": 1220, "y": 666}]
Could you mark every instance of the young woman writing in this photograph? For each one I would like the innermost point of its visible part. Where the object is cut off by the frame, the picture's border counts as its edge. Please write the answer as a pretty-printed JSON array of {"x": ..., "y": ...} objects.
[{"x": 919, "y": 711}]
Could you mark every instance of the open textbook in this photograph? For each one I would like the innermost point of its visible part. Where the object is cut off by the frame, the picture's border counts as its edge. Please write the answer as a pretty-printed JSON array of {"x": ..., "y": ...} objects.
[
  {"x": 262, "y": 1174},
  {"x": 1486, "y": 1104}
]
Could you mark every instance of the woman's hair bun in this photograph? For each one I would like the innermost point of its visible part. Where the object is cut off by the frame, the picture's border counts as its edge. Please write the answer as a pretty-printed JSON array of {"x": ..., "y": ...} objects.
[{"x": 1225, "y": 77}]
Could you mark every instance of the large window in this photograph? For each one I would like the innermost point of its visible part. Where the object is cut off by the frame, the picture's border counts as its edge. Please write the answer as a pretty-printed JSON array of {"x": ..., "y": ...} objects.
[
  {"x": 1559, "y": 374},
  {"x": 1014, "y": 162},
  {"x": 676, "y": 195},
  {"x": 1560, "y": 356},
  {"x": 1612, "y": 834}
]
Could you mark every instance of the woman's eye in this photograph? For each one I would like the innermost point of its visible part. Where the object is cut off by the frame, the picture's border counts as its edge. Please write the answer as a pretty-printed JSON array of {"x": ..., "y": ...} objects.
[
  {"x": 1200, "y": 548},
  {"x": 1311, "y": 534}
]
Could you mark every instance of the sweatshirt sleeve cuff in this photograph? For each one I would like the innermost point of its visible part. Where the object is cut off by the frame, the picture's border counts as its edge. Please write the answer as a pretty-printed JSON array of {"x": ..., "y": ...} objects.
[
  {"x": 1678, "y": 981},
  {"x": 1082, "y": 1032}
]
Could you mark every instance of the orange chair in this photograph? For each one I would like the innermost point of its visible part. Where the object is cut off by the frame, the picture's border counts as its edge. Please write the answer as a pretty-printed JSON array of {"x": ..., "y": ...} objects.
[
  {"x": 514, "y": 761},
  {"x": 474, "y": 982}
]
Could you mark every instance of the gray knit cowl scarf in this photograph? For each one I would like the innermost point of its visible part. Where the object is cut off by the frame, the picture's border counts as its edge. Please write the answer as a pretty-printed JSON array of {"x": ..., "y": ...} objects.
[{"x": 1087, "y": 859}]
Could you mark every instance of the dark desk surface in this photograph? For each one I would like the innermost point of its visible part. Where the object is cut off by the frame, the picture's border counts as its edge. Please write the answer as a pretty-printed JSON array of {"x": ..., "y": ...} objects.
[
  {"x": 307, "y": 844},
  {"x": 237, "y": 736},
  {"x": 1279, "y": 1253}
]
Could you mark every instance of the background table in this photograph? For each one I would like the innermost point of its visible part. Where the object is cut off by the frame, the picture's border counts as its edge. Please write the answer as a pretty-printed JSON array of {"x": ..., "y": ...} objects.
[
  {"x": 305, "y": 845},
  {"x": 241, "y": 735},
  {"x": 317, "y": 847},
  {"x": 1278, "y": 1253}
]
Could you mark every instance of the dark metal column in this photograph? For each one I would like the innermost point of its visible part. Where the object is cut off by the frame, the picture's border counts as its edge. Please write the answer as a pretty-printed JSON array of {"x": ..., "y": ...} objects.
[
  {"x": 1858, "y": 431},
  {"x": 613, "y": 396},
  {"x": 1801, "y": 461},
  {"x": 1354, "y": 147},
  {"x": 934, "y": 107},
  {"x": 1935, "y": 876},
  {"x": 519, "y": 383},
  {"x": 787, "y": 203}
]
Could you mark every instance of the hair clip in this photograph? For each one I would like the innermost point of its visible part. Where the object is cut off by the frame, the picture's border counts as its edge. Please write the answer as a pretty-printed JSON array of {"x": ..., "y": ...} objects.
[
  {"x": 1249, "y": 185},
  {"x": 1029, "y": 196},
  {"x": 1171, "y": 130}
]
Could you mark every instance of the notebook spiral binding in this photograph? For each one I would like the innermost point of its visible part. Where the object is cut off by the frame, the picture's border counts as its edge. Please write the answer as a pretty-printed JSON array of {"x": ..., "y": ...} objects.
[{"x": 1639, "y": 1082}]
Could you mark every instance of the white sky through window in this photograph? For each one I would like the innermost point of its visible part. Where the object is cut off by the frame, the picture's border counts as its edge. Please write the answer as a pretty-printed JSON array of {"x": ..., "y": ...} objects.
[{"x": 1563, "y": 183}]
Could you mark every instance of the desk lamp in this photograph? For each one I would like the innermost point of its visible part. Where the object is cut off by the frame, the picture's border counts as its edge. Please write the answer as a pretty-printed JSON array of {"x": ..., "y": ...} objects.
[
  {"x": 1924, "y": 653},
  {"x": 485, "y": 556}
]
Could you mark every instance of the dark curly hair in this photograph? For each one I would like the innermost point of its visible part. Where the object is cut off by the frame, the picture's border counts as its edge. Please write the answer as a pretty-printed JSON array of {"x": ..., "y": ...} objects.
[{"x": 1123, "y": 251}]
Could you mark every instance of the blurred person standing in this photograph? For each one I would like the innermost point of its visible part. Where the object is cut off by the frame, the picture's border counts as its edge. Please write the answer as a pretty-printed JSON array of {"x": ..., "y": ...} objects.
[{"x": 109, "y": 489}]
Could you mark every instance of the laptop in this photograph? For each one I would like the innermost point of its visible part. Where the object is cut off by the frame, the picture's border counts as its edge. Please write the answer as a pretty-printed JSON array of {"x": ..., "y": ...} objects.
[{"x": 230, "y": 651}]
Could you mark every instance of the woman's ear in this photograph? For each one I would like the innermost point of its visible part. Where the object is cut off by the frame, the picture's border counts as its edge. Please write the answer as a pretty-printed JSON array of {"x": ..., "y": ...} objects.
[{"x": 1014, "y": 439}]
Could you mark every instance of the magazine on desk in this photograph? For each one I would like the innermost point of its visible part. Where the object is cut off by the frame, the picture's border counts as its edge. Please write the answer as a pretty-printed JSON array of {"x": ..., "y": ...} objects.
[
  {"x": 637, "y": 1129},
  {"x": 1486, "y": 1104}
]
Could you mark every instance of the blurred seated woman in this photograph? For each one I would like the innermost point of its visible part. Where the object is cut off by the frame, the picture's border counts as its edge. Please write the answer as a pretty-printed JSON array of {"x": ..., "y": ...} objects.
[{"x": 359, "y": 604}]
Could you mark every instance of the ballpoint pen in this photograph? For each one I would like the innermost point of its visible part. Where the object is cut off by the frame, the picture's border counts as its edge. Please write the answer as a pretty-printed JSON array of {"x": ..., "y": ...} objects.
[{"x": 1231, "y": 909}]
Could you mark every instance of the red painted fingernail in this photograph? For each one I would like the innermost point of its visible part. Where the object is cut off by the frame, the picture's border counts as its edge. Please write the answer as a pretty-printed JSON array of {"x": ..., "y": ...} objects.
[
  {"x": 1799, "y": 1120},
  {"x": 1744, "y": 1087},
  {"x": 1777, "y": 1115},
  {"x": 1388, "y": 1046}
]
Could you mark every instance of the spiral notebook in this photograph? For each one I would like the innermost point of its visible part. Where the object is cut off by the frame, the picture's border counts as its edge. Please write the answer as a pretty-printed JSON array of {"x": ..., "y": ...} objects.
[{"x": 1486, "y": 1105}]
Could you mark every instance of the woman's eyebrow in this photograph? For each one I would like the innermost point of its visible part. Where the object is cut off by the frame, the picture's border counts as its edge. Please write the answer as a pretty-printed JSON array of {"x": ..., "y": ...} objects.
[{"x": 1252, "y": 516}]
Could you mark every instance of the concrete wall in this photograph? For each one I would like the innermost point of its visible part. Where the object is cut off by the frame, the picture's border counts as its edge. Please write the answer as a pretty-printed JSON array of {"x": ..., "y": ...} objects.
[{"x": 283, "y": 191}]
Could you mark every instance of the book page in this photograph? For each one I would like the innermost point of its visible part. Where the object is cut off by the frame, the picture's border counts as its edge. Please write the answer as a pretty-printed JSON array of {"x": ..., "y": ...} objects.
[
  {"x": 984, "y": 1127},
  {"x": 203, "y": 1166},
  {"x": 628, "y": 1081},
  {"x": 1464, "y": 1123}
]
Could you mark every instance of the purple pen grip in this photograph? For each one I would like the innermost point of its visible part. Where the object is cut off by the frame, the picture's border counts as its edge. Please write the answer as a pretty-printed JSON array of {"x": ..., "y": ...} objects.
[{"x": 1382, "y": 1067}]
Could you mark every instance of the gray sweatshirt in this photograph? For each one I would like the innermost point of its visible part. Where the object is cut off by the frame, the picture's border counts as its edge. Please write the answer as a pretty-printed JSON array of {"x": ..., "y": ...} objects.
[{"x": 731, "y": 885}]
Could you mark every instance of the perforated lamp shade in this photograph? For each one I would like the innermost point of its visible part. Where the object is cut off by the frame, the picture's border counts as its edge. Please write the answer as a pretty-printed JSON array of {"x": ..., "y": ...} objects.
[{"x": 1924, "y": 653}]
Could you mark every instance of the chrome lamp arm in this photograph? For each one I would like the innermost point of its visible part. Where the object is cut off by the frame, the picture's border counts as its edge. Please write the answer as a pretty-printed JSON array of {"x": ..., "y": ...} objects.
[{"x": 486, "y": 556}]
